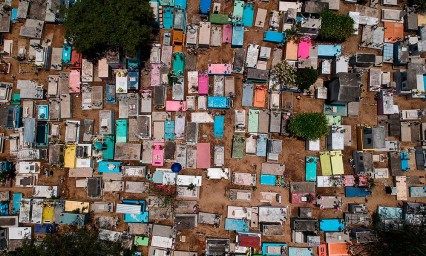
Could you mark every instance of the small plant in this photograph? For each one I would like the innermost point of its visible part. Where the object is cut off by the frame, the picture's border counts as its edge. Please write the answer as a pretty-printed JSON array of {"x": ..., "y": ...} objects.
[
  {"x": 191, "y": 187},
  {"x": 172, "y": 78}
]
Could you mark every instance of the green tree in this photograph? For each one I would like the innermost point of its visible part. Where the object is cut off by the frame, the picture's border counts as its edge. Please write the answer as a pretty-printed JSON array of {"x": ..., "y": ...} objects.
[
  {"x": 97, "y": 26},
  {"x": 305, "y": 77},
  {"x": 309, "y": 126},
  {"x": 419, "y": 5},
  {"x": 335, "y": 27},
  {"x": 284, "y": 74},
  {"x": 7, "y": 175},
  {"x": 68, "y": 243}
]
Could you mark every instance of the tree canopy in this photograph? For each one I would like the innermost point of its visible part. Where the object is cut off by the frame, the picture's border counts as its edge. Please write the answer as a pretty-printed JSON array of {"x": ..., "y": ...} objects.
[
  {"x": 410, "y": 241},
  {"x": 81, "y": 242},
  {"x": 96, "y": 26},
  {"x": 335, "y": 27},
  {"x": 305, "y": 77},
  {"x": 419, "y": 5},
  {"x": 309, "y": 126}
]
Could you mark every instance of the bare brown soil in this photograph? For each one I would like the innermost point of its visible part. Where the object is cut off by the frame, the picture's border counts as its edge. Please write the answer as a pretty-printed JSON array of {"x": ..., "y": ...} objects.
[{"x": 213, "y": 193}]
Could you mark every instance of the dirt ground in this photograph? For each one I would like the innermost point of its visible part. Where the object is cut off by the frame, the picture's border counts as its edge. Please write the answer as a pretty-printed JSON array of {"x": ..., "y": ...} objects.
[
  {"x": 294, "y": 152},
  {"x": 213, "y": 196}
]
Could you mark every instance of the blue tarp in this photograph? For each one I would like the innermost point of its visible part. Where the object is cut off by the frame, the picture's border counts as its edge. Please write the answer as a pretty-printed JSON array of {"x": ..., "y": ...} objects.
[
  {"x": 16, "y": 203},
  {"x": 132, "y": 64},
  {"x": 329, "y": 51},
  {"x": 14, "y": 16},
  {"x": 74, "y": 219},
  {"x": 169, "y": 130},
  {"x": 388, "y": 52},
  {"x": 332, "y": 225},
  {"x": 121, "y": 130},
  {"x": 357, "y": 192},
  {"x": 45, "y": 228},
  {"x": 108, "y": 147},
  {"x": 43, "y": 112},
  {"x": 237, "y": 36},
  {"x": 418, "y": 191},
  {"x": 109, "y": 167},
  {"x": 136, "y": 218},
  {"x": 180, "y": 20},
  {"x": 266, "y": 245},
  {"x": 168, "y": 17},
  {"x": 248, "y": 15},
  {"x": 134, "y": 201},
  {"x": 110, "y": 94},
  {"x": 336, "y": 110},
  {"x": 300, "y": 251},
  {"x": 219, "y": 126},
  {"x": 268, "y": 179},
  {"x": 66, "y": 53},
  {"x": 205, "y": 6},
  {"x": 180, "y": 4},
  {"x": 424, "y": 83},
  {"x": 167, "y": 2},
  {"x": 4, "y": 208},
  {"x": 274, "y": 37},
  {"x": 385, "y": 212},
  {"x": 178, "y": 63},
  {"x": 311, "y": 168},
  {"x": 404, "y": 161},
  {"x": 219, "y": 102},
  {"x": 236, "y": 225}
]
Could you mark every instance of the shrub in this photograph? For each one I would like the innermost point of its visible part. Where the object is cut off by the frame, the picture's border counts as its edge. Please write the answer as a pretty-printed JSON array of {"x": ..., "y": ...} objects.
[
  {"x": 309, "y": 126},
  {"x": 305, "y": 78},
  {"x": 97, "y": 26},
  {"x": 335, "y": 27}
]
